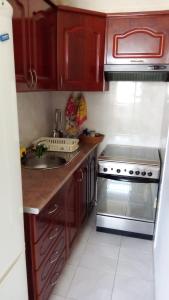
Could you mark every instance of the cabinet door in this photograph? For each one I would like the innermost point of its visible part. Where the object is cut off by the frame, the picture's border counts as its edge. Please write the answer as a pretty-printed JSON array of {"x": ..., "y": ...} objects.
[
  {"x": 80, "y": 51},
  {"x": 92, "y": 181},
  {"x": 71, "y": 211},
  {"x": 43, "y": 24},
  {"x": 81, "y": 191},
  {"x": 138, "y": 39},
  {"x": 21, "y": 44},
  {"x": 95, "y": 41}
]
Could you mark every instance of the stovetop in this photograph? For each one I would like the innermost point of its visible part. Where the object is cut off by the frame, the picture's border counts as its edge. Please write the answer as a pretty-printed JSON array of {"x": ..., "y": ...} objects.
[
  {"x": 130, "y": 161},
  {"x": 131, "y": 154}
]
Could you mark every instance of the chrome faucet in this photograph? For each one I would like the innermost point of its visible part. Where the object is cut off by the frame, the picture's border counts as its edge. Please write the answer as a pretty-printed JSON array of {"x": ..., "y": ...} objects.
[{"x": 58, "y": 131}]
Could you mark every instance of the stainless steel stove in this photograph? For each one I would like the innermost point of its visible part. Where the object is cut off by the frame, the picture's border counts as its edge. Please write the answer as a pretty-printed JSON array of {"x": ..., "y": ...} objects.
[{"x": 127, "y": 190}]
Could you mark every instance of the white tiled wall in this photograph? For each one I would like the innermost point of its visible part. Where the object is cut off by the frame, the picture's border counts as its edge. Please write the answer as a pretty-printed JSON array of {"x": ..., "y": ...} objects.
[
  {"x": 34, "y": 114},
  {"x": 165, "y": 124},
  {"x": 129, "y": 113}
]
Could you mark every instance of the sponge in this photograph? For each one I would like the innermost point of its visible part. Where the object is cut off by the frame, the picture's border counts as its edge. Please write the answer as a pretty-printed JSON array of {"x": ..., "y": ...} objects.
[{"x": 22, "y": 151}]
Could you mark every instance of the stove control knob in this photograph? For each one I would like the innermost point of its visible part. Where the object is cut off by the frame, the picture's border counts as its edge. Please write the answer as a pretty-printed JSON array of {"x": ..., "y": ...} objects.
[
  {"x": 150, "y": 174},
  {"x": 143, "y": 173},
  {"x": 105, "y": 169},
  {"x": 137, "y": 172},
  {"x": 131, "y": 172},
  {"x": 118, "y": 170}
]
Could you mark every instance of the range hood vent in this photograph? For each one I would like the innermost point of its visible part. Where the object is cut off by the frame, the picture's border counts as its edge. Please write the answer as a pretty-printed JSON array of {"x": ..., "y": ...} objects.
[{"x": 136, "y": 73}]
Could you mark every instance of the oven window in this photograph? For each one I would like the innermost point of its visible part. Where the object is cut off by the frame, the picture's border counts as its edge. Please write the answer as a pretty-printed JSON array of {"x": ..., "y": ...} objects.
[{"x": 129, "y": 200}]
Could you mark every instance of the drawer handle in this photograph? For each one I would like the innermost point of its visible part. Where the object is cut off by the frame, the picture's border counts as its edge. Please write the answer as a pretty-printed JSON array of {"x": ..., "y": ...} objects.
[
  {"x": 56, "y": 258},
  {"x": 30, "y": 84},
  {"x": 54, "y": 283},
  {"x": 54, "y": 210},
  {"x": 58, "y": 273},
  {"x": 51, "y": 237},
  {"x": 35, "y": 75}
]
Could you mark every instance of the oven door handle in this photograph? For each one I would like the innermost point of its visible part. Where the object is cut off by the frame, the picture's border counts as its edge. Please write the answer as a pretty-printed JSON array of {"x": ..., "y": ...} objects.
[{"x": 128, "y": 178}]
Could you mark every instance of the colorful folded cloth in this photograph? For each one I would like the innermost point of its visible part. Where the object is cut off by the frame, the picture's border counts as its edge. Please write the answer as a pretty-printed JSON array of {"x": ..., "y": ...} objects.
[
  {"x": 70, "y": 114},
  {"x": 76, "y": 114},
  {"x": 71, "y": 107},
  {"x": 81, "y": 115}
]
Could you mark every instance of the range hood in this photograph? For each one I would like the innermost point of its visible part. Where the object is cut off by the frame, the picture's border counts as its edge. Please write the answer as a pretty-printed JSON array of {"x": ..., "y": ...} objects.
[{"x": 156, "y": 72}]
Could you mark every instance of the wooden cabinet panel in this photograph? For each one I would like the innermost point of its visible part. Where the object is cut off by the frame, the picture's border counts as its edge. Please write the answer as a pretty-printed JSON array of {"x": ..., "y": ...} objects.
[
  {"x": 51, "y": 282},
  {"x": 137, "y": 38},
  {"x": 21, "y": 44},
  {"x": 50, "y": 235},
  {"x": 92, "y": 180},
  {"x": 81, "y": 51},
  {"x": 81, "y": 191},
  {"x": 45, "y": 240},
  {"x": 95, "y": 41},
  {"x": 57, "y": 48},
  {"x": 51, "y": 215},
  {"x": 34, "y": 34},
  {"x": 71, "y": 211},
  {"x": 43, "y": 24},
  {"x": 42, "y": 247},
  {"x": 49, "y": 263}
]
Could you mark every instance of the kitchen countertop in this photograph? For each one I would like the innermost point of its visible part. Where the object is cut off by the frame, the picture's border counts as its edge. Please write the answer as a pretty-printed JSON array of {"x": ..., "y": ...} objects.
[{"x": 39, "y": 186}]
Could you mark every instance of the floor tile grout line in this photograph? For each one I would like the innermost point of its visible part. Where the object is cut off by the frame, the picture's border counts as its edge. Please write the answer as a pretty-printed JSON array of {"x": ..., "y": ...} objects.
[
  {"x": 78, "y": 265},
  {"x": 116, "y": 269},
  {"x": 71, "y": 282},
  {"x": 93, "y": 269}
]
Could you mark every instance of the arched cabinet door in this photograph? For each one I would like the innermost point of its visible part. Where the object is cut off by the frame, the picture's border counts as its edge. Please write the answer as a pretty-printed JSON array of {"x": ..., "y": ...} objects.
[
  {"x": 43, "y": 24},
  {"x": 21, "y": 43},
  {"x": 138, "y": 39},
  {"x": 80, "y": 51}
]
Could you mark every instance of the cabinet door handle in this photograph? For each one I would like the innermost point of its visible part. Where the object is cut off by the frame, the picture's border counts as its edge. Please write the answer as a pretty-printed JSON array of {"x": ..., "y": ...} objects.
[
  {"x": 30, "y": 83},
  {"x": 81, "y": 178},
  {"x": 51, "y": 237},
  {"x": 54, "y": 210},
  {"x": 36, "y": 79}
]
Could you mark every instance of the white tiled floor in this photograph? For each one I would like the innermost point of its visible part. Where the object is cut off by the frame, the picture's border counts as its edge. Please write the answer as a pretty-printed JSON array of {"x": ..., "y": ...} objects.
[{"x": 107, "y": 267}]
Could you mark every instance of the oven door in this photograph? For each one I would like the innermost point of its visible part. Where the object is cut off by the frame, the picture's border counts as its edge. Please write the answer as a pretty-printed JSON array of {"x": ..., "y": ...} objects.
[{"x": 126, "y": 205}]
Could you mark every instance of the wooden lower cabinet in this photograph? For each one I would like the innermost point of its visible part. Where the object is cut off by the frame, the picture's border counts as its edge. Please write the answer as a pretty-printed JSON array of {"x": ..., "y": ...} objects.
[
  {"x": 81, "y": 192},
  {"x": 50, "y": 235},
  {"x": 71, "y": 211},
  {"x": 92, "y": 163}
]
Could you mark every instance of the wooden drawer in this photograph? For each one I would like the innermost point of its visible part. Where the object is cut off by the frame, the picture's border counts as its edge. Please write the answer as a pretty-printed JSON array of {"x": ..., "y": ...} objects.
[
  {"x": 46, "y": 269},
  {"x": 48, "y": 216},
  {"x": 43, "y": 246},
  {"x": 52, "y": 280}
]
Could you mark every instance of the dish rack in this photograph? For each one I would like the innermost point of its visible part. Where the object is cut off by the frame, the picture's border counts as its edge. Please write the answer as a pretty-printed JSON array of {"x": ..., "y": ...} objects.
[{"x": 58, "y": 144}]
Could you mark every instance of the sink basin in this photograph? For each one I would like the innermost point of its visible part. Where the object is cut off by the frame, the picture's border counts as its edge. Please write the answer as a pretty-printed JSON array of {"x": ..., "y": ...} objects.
[{"x": 46, "y": 161}]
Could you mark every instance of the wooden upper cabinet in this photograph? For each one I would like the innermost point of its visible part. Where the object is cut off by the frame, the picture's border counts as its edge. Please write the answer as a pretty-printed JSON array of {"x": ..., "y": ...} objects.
[
  {"x": 21, "y": 44},
  {"x": 34, "y": 35},
  {"x": 138, "y": 39},
  {"x": 81, "y": 39},
  {"x": 43, "y": 24}
]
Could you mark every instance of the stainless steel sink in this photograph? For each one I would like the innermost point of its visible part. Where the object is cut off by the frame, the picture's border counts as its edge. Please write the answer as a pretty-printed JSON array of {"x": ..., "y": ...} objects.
[{"x": 47, "y": 161}]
